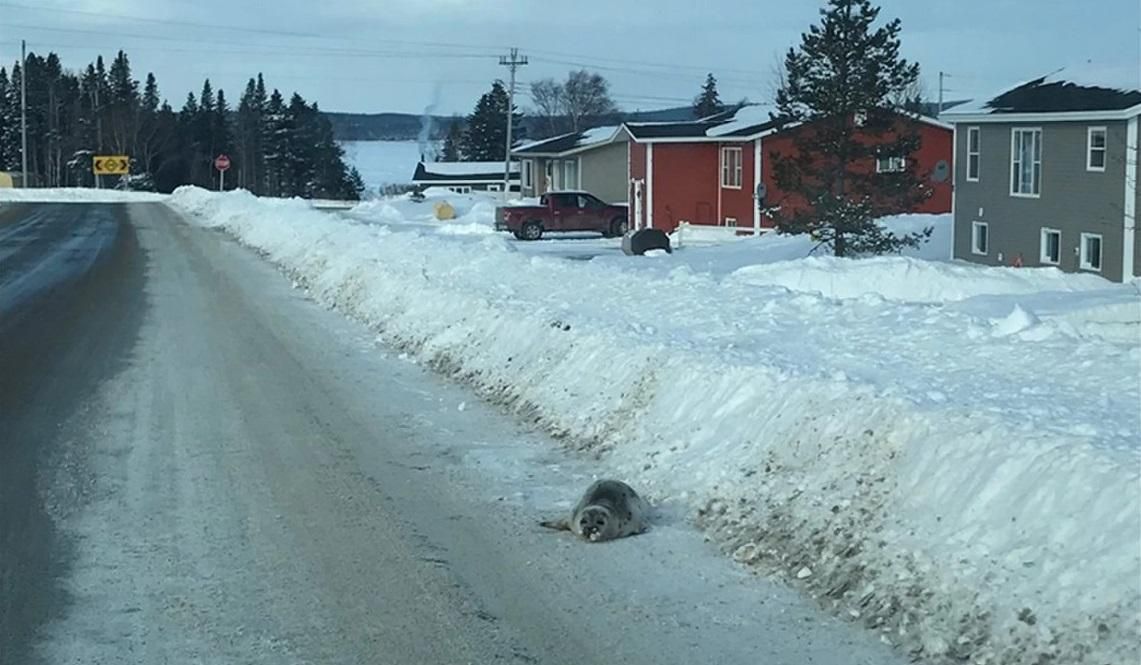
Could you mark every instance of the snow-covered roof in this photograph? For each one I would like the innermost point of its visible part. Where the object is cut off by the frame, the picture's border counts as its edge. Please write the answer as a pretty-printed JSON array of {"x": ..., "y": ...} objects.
[
  {"x": 570, "y": 142},
  {"x": 1086, "y": 88},
  {"x": 465, "y": 168},
  {"x": 747, "y": 119},
  {"x": 462, "y": 172},
  {"x": 746, "y": 122}
]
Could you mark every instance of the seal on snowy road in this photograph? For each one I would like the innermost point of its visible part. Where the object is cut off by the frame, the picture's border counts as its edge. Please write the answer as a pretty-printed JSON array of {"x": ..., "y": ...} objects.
[{"x": 609, "y": 509}]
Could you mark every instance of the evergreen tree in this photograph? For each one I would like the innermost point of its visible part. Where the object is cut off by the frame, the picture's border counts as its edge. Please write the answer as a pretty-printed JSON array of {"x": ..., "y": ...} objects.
[
  {"x": 355, "y": 186},
  {"x": 709, "y": 101},
  {"x": 452, "y": 141},
  {"x": 246, "y": 135},
  {"x": 275, "y": 137},
  {"x": 7, "y": 121},
  {"x": 122, "y": 106},
  {"x": 839, "y": 84},
  {"x": 485, "y": 137}
]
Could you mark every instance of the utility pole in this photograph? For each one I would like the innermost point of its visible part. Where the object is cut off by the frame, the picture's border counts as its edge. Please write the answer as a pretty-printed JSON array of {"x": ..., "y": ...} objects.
[
  {"x": 24, "y": 112},
  {"x": 942, "y": 75},
  {"x": 513, "y": 62}
]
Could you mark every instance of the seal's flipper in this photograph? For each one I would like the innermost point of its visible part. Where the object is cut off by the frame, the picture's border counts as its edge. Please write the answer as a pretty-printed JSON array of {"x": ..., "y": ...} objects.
[{"x": 558, "y": 525}]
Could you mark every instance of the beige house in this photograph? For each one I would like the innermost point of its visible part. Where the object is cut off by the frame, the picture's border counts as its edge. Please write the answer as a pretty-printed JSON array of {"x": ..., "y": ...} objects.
[{"x": 593, "y": 160}]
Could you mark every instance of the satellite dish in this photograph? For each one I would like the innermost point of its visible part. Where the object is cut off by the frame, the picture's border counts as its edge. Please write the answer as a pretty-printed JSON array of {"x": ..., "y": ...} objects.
[{"x": 941, "y": 172}]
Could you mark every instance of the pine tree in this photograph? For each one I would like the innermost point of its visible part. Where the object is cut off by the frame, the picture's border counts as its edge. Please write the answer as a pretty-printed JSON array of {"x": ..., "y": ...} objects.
[
  {"x": 452, "y": 141},
  {"x": 122, "y": 106},
  {"x": 839, "y": 83},
  {"x": 709, "y": 101},
  {"x": 275, "y": 135},
  {"x": 356, "y": 185},
  {"x": 6, "y": 121},
  {"x": 485, "y": 137}
]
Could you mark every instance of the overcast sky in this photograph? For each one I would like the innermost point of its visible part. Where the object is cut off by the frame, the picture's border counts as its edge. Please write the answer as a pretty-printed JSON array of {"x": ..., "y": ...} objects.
[{"x": 386, "y": 55}]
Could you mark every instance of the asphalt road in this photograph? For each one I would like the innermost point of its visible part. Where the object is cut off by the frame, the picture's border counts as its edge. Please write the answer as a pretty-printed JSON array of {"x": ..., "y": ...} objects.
[{"x": 199, "y": 465}]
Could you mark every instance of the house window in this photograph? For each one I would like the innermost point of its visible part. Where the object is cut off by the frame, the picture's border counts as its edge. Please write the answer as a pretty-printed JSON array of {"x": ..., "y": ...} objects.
[
  {"x": 1051, "y": 247},
  {"x": 1091, "y": 252},
  {"x": 1095, "y": 149},
  {"x": 528, "y": 174},
  {"x": 731, "y": 168},
  {"x": 571, "y": 175},
  {"x": 495, "y": 188},
  {"x": 973, "y": 154},
  {"x": 551, "y": 172},
  {"x": 980, "y": 240},
  {"x": 731, "y": 222},
  {"x": 891, "y": 164},
  {"x": 1026, "y": 162},
  {"x": 461, "y": 189}
]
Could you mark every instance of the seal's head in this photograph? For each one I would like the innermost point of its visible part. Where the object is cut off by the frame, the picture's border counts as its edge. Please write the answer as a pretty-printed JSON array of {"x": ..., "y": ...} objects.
[{"x": 596, "y": 523}]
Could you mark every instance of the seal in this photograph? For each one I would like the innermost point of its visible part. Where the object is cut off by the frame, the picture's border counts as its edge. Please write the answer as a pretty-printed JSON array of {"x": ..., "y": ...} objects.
[{"x": 609, "y": 509}]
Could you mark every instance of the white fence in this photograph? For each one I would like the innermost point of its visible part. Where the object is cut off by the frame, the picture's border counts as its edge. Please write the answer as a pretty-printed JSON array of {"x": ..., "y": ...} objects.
[{"x": 706, "y": 234}]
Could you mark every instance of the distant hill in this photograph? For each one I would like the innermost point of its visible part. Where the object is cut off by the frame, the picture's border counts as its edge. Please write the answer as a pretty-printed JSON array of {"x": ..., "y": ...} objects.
[{"x": 406, "y": 126}]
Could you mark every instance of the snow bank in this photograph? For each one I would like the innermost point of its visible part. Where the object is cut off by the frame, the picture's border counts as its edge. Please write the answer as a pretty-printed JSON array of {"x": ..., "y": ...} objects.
[
  {"x": 76, "y": 194},
  {"x": 968, "y": 490},
  {"x": 908, "y": 279}
]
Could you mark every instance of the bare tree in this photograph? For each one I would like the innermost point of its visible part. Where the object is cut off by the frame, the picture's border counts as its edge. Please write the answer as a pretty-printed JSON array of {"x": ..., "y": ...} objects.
[
  {"x": 586, "y": 95},
  {"x": 911, "y": 97},
  {"x": 548, "y": 97}
]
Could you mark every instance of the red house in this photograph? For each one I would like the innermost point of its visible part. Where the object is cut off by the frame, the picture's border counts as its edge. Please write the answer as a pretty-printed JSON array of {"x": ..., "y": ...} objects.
[{"x": 707, "y": 171}]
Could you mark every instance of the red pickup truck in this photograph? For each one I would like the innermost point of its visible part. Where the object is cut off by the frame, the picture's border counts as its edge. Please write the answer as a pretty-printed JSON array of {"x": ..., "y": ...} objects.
[{"x": 562, "y": 211}]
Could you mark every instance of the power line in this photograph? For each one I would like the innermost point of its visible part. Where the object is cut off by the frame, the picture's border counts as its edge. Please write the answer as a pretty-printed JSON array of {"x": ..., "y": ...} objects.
[
  {"x": 157, "y": 21},
  {"x": 276, "y": 51},
  {"x": 644, "y": 72},
  {"x": 579, "y": 60},
  {"x": 696, "y": 68}
]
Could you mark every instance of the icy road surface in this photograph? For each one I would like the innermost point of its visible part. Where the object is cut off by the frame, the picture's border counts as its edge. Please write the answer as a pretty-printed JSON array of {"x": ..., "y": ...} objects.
[{"x": 225, "y": 472}]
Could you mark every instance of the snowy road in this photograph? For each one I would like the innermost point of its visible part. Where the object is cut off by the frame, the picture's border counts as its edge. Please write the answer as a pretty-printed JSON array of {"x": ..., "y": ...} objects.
[{"x": 200, "y": 465}]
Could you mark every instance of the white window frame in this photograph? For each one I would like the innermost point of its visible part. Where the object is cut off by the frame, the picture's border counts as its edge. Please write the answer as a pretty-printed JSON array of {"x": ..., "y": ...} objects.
[
  {"x": 567, "y": 164},
  {"x": 736, "y": 173},
  {"x": 731, "y": 222},
  {"x": 1084, "y": 263},
  {"x": 1090, "y": 149},
  {"x": 1043, "y": 258},
  {"x": 1016, "y": 165},
  {"x": 895, "y": 164},
  {"x": 976, "y": 153},
  {"x": 494, "y": 187},
  {"x": 975, "y": 226},
  {"x": 461, "y": 189},
  {"x": 527, "y": 174}
]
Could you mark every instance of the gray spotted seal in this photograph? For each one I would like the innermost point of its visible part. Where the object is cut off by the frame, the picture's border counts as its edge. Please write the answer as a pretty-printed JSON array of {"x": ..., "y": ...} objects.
[{"x": 609, "y": 509}]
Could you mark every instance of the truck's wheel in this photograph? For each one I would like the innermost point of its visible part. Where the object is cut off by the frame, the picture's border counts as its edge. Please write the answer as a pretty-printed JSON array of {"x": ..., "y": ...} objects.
[
  {"x": 618, "y": 227},
  {"x": 532, "y": 231}
]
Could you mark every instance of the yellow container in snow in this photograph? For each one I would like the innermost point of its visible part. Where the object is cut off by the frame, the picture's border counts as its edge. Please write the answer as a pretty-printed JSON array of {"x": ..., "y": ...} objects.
[{"x": 444, "y": 210}]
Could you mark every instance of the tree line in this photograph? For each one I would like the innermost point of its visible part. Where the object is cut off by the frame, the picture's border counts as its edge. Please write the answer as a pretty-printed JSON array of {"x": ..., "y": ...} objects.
[{"x": 278, "y": 147}]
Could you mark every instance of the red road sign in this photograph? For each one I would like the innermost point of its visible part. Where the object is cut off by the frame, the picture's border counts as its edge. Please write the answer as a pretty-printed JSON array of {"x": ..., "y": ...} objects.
[{"x": 222, "y": 162}]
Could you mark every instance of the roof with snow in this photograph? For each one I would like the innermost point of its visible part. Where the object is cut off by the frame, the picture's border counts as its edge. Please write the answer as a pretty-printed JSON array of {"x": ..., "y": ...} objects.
[
  {"x": 571, "y": 142},
  {"x": 1082, "y": 89},
  {"x": 462, "y": 172},
  {"x": 745, "y": 122}
]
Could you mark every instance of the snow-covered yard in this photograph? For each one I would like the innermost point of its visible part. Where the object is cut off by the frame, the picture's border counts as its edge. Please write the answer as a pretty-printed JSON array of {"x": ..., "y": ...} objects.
[{"x": 948, "y": 454}]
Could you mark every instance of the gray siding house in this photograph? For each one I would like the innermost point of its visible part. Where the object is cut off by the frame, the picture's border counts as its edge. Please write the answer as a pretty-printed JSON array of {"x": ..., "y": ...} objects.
[
  {"x": 593, "y": 160},
  {"x": 1045, "y": 174}
]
